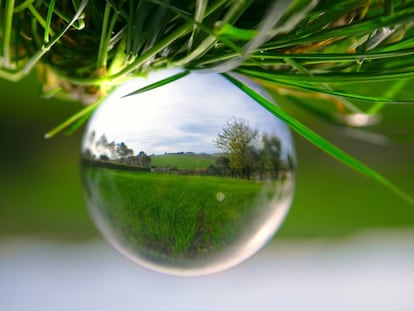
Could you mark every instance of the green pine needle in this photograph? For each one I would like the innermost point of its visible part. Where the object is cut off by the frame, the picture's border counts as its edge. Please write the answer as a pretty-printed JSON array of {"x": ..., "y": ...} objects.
[{"x": 160, "y": 83}]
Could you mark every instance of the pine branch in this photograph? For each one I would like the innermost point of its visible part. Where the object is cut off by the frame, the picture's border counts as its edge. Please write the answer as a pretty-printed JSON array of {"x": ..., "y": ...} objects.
[{"x": 305, "y": 47}]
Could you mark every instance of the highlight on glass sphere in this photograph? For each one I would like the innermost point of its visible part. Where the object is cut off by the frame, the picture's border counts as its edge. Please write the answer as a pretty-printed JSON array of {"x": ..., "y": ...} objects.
[{"x": 190, "y": 178}]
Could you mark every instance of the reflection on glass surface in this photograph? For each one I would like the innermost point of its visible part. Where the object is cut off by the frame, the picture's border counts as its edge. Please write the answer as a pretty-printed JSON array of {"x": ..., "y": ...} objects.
[{"x": 190, "y": 178}]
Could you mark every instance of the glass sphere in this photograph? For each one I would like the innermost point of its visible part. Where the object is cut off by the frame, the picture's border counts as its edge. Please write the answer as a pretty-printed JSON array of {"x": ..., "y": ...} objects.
[{"x": 190, "y": 178}]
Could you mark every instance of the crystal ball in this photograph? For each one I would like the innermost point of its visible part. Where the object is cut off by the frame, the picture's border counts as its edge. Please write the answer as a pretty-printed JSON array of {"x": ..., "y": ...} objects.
[{"x": 189, "y": 178}]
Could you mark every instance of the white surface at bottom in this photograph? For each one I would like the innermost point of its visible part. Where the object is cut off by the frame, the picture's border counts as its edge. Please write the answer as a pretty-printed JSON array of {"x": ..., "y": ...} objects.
[{"x": 366, "y": 272}]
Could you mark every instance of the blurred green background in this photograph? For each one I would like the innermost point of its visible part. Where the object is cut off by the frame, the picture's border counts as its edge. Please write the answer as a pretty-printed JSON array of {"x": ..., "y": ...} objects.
[{"x": 41, "y": 193}]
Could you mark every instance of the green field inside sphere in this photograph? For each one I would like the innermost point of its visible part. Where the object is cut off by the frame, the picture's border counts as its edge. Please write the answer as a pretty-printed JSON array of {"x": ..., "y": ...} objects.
[
  {"x": 174, "y": 216},
  {"x": 182, "y": 161}
]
